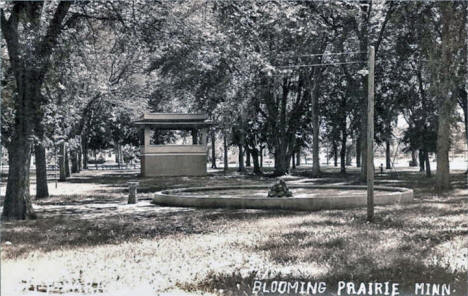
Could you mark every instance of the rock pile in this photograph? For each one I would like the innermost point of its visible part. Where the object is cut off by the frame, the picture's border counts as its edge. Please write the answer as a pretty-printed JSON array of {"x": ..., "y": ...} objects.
[{"x": 279, "y": 189}]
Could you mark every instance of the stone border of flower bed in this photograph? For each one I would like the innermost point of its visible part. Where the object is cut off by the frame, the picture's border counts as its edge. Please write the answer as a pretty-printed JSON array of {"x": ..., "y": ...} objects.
[{"x": 392, "y": 195}]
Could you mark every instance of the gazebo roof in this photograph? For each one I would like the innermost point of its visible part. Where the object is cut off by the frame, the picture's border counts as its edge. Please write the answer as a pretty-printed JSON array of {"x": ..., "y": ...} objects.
[{"x": 174, "y": 120}]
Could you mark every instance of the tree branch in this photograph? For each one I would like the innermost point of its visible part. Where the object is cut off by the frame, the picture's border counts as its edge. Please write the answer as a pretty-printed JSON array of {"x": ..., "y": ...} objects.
[
  {"x": 10, "y": 33},
  {"x": 50, "y": 39},
  {"x": 75, "y": 16},
  {"x": 382, "y": 30}
]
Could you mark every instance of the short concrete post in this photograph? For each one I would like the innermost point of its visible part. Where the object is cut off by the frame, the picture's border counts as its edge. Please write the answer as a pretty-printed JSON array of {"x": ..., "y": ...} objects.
[{"x": 132, "y": 192}]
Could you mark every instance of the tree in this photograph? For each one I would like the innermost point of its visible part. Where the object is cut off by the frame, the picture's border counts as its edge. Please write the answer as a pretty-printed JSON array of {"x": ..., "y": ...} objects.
[
  {"x": 448, "y": 63},
  {"x": 29, "y": 51}
]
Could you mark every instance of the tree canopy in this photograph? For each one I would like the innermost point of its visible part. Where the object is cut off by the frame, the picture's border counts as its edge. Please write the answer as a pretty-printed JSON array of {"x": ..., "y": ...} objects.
[{"x": 278, "y": 74}]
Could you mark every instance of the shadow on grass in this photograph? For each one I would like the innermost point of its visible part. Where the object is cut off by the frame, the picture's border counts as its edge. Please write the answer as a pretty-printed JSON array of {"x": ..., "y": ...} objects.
[
  {"x": 405, "y": 273},
  {"x": 79, "y": 200},
  {"x": 86, "y": 227},
  {"x": 422, "y": 226},
  {"x": 423, "y": 186},
  {"x": 398, "y": 247},
  {"x": 120, "y": 179},
  {"x": 328, "y": 177},
  {"x": 395, "y": 247},
  {"x": 68, "y": 221},
  {"x": 417, "y": 181}
]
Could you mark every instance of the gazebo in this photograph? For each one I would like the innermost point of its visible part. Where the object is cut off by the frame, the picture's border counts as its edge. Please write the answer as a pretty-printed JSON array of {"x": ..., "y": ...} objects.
[{"x": 180, "y": 159}]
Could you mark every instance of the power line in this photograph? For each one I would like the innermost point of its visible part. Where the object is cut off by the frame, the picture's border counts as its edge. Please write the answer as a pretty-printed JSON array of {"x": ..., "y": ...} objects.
[
  {"x": 328, "y": 54},
  {"x": 321, "y": 64}
]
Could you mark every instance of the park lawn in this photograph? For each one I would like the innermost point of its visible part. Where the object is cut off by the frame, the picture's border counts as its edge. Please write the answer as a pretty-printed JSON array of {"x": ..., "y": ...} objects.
[{"x": 94, "y": 242}]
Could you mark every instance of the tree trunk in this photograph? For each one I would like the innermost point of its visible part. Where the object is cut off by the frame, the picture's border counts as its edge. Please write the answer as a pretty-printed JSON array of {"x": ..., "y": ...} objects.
[
  {"x": 117, "y": 155},
  {"x": 358, "y": 152},
  {"x": 241, "y": 159},
  {"x": 17, "y": 204},
  {"x": 261, "y": 156},
  {"x": 343, "y": 151},
  {"x": 421, "y": 160},
  {"x": 335, "y": 154},
  {"x": 428, "y": 164},
  {"x": 79, "y": 155},
  {"x": 349, "y": 151},
  {"x": 447, "y": 101},
  {"x": 256, "y": 164},
  {"x": 465, "y": 98},
  {"x": 465, "y": 110},
  {"x": 74, "y": 161},
  {"x": 328, "y": 155},
  {"x": 121, "y": 160},
  {"x": 388, "y": 156},
  {"x": 282, "y": 136},
  {"x": 95, "y": 159},
  {"x": 42, "y": 190},
  {"x": 62, "y": 165},
  {"x": 213, "y": 150},
  {"x": 247, "y": 159},
  {"x": 67, "y": 163},
  {"x": 298, "y": 157},
  {"x": 315, "y": 137},
  {"x": 443, "y": 146},
  {"x": 225, "y": 147},
  {"x": 281, "y": 161},
  {"x": 293, "y": 161},
  {"x": 414, "y": 159},
  {"x": 85, "y": 155}
]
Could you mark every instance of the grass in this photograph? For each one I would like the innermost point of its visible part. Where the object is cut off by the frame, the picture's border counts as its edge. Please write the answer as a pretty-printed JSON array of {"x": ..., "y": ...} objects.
[{"x": 95, "y": 243}]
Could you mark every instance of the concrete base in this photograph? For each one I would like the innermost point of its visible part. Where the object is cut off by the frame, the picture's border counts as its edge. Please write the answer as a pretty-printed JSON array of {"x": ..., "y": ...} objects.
[
  {"x": 391, "y": 195},
  {"x": 173, "y": 165}
]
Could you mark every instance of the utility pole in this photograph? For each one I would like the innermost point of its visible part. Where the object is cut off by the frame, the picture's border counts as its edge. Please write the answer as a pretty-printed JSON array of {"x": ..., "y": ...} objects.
[{"x": 370, "y": 137}]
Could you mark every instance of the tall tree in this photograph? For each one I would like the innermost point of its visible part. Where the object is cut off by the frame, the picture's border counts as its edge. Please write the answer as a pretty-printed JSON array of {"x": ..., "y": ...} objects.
[
  {"x": 30, "y": 32},
  {"x": 448, "y": 63}
]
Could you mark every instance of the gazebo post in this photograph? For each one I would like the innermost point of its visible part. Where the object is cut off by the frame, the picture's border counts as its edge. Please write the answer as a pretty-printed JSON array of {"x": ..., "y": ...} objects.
[
  {"x": 194, "y": 136},
  {"x": 203, "y": 136},
  {"x": 147, "y": 136}
]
